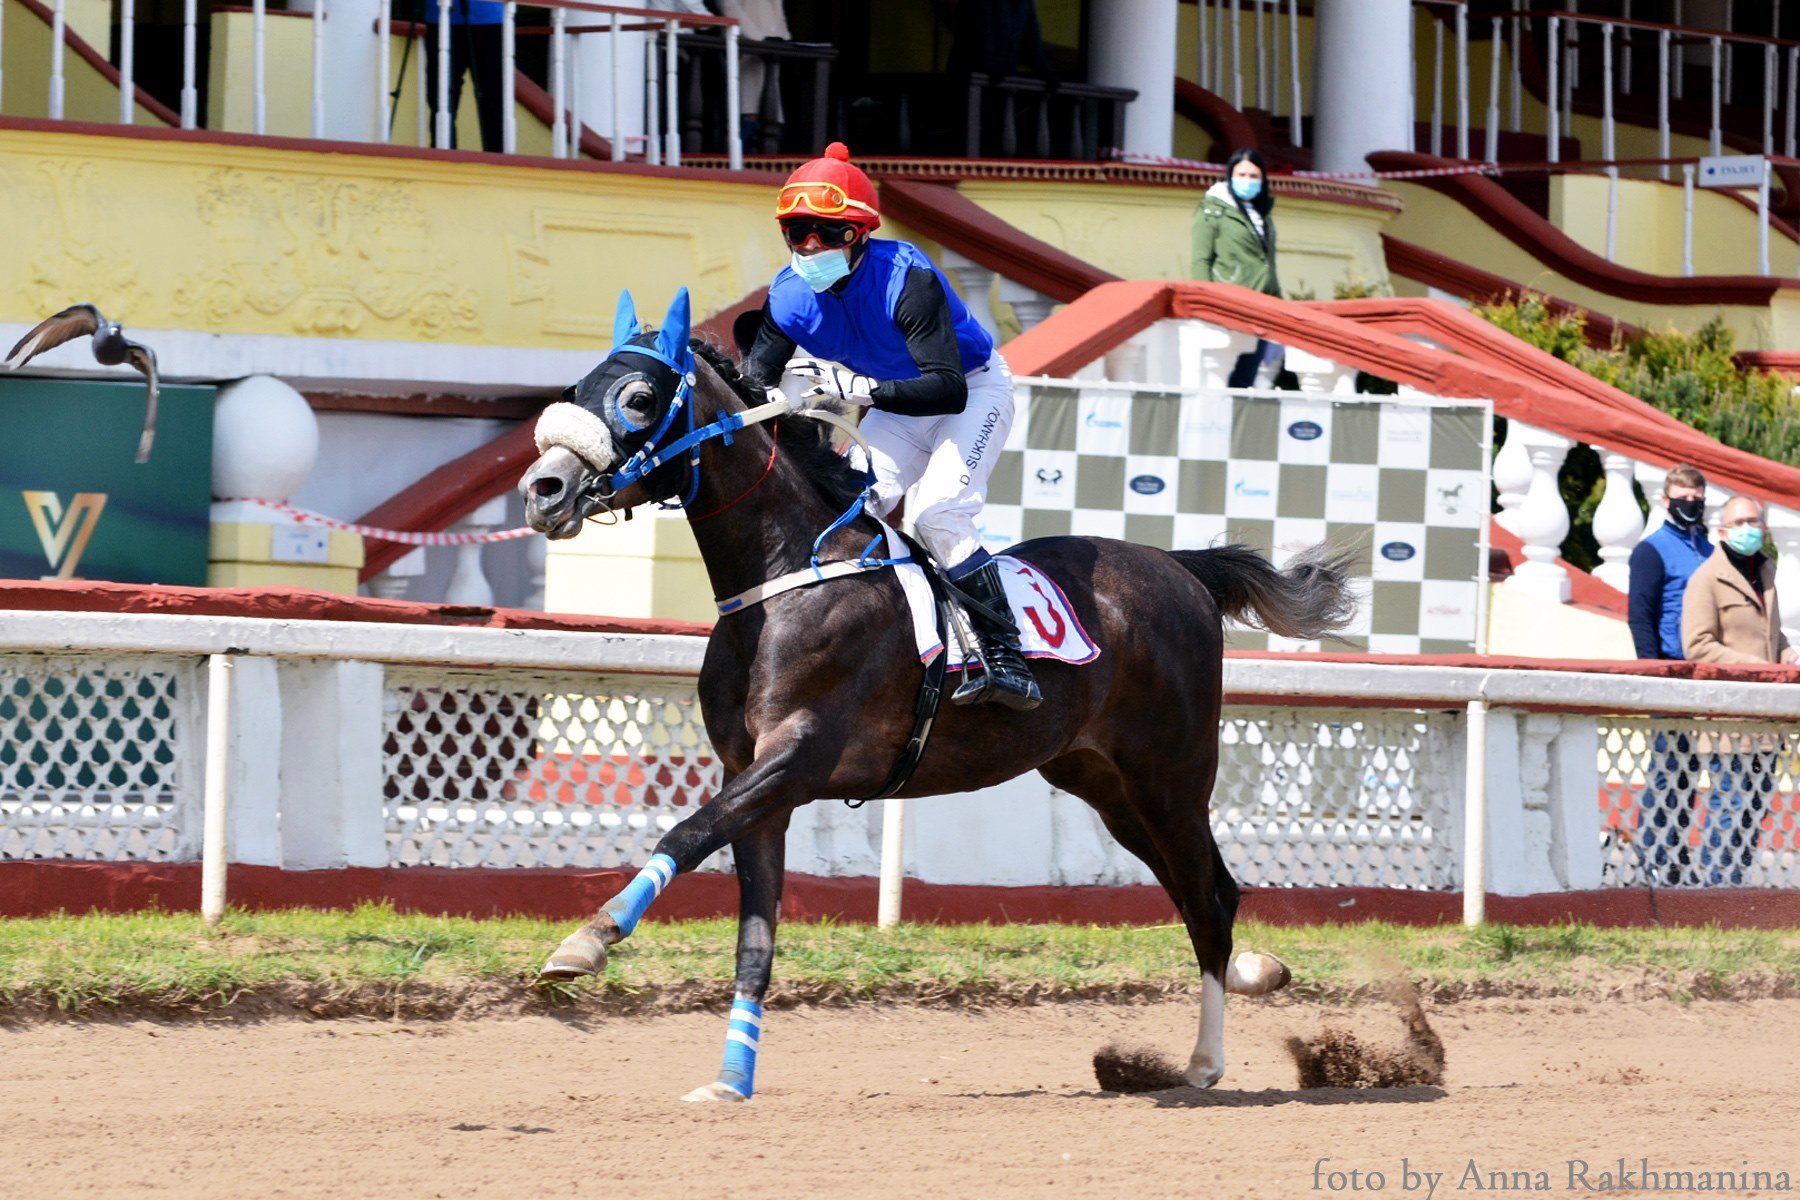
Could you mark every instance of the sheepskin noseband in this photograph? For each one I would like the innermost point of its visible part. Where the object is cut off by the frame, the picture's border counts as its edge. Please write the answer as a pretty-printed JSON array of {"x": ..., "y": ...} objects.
[{"x": 575, "y": 428}]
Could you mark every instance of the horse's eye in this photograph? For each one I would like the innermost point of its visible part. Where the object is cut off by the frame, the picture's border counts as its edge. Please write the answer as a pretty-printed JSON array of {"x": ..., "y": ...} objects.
[{"x": 637, "y": 400}]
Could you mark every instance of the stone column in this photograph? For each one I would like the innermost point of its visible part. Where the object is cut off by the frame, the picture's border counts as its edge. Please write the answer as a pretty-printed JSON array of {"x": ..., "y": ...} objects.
[
  {"x": 1133, "y": 46},
  {"x": 1363, "y": 83},
  {"x": 1542, "y": 522}
]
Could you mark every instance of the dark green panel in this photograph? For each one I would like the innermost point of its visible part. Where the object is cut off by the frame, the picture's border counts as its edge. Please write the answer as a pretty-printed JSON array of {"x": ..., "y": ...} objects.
[
  {"x": 1052, "y": 420},
  {"x": 73, "y": 438}
]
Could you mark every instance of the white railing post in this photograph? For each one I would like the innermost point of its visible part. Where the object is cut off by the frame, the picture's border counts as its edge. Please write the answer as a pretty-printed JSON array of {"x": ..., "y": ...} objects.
[
  {"x": 468, "y": 582},
  {"x": 1437, "y": 87},
  {"x": 1516, "y": 115},
  {"x": 1542, "y": 522},
  {"x": 215, "y": 838},
  {"x": 393, "y": 582},
  {"x": 652, "y": 102},
  {"x": 1475, "y": 814},
  {"x": 573, "y": 126},
  {"x": 1662, "y": 98},
  {"x": 1793, "y": 97},
  {"x": 559, "y": 83},
  {"x": 893, "y": 862},
  {"x": 1762, "y": 220},
  {"x": 1495, "y": 41},
  {"x": 1552, "y": 112},
  {"x": 384, "y": 36},
  {"x": 1296, "y": 123},
  {"x": 672, "y": 92},
  {"x": 1651, "y": 480},
  {"x": 1512, "y": 476},
  {"x": 1262, "y": 58},
  {"x": 1771, "y": 70},
  {"x": 1612, "y": 213},
  {"x": 1617, "y": 522},
  {"x": 1202, "y": 44},
  {"x": 422, "y": 135},
  {"x": 1626, "y": 38},
  {"x": 1462, "y": 82},
  {"x": 618, "y": 88},
  {"x": 318, "y": 68},
  {"x": 1606, "y": 88},
  {"x": 509, "y": 67},
  {"x": 259, "y": 67},
  {"x": 127, "y": 59},
  {"x": 1718, "y": 131},
  {"x": 1237, "y": 57},
  {"x": 58, "y": 33},
  {"x": 734, "y": 126},
  {"x": 441, "y": 126},
  {"x": 1681, "y": 69},
  {"x": 1687, "y": 218}
]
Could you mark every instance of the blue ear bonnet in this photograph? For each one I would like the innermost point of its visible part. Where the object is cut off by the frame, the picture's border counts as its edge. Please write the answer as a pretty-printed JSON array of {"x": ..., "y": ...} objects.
[{"x": 671, "y": 349}]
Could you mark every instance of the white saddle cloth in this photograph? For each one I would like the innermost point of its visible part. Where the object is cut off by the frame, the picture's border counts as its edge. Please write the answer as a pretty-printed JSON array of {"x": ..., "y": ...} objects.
[{"x": 1048, "y": 627}]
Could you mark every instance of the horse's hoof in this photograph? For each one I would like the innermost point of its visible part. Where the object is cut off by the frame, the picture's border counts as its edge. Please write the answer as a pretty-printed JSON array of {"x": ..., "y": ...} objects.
[
  {"x": 1253, "y": 974},
  {"x": 721, "y": 1093},
  {"x": 1203, "y": 1075},
  {"x": 582, "y": 953}
]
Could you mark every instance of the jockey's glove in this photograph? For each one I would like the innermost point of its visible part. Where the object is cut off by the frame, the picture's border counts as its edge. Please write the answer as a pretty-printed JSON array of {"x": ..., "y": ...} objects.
[{"x": 833, "y": 382}]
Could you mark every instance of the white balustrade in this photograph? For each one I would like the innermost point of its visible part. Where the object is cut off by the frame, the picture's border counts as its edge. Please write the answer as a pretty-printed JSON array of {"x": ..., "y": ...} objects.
[
  {"x": 1512, "y": 476},
  {"x": 1321, "y": 376},
  {"x": 975, "y": 284},
  {"x": 1784, "y": 532},
  {"x": 1029, "y": 305},
  {"x": 393, "y": 583},
  {"x": 468, "y": 579},
  {"x": 1618, "y": 524},
  {"x": 1542, "y": 521},
  {"x": 1208, "y": 354}
]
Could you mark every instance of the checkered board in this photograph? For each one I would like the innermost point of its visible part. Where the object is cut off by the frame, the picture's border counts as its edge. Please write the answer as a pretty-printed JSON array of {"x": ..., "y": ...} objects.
[{"x": 1404, "y": 483}]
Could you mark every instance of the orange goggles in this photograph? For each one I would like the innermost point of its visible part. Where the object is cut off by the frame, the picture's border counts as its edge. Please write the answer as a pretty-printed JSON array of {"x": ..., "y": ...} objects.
[{"x": 820, "y": 199}]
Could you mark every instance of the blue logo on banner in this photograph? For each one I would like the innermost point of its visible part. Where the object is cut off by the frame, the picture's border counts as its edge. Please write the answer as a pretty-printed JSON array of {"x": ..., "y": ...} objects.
[
  {"x": 1242, "y": 487},
  {"x": 1398, "y": 551},
  {"x": 1147, "y": 485},
  {"x": 1305, "y": 431},
  {"x": 1095, "y": 421}
]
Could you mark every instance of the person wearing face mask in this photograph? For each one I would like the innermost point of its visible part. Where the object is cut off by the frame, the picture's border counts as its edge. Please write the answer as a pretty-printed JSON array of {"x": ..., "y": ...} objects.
[
  {"x": 1661, "y": 565},
  {"x": 1234, "y": 242},
  {"x": 1730, "y": 615},
  {"x": 884, "y": 330}
]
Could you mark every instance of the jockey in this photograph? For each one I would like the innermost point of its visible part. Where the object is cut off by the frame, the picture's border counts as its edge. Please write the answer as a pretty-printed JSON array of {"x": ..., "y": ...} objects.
[{"x": 941, "y": 397}]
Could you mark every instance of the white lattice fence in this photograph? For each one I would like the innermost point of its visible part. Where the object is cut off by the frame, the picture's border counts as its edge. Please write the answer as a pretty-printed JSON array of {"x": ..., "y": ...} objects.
[
  {"x": 97, "y": 757},
  {"x": 1699, "y": 803},
  {"x": 509, "y": 770},
  {"x": 1311, "y": 798}
]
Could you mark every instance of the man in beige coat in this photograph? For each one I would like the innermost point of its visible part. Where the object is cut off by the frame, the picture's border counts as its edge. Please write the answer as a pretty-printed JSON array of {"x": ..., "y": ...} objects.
[{"x": 1729, "y": 614}]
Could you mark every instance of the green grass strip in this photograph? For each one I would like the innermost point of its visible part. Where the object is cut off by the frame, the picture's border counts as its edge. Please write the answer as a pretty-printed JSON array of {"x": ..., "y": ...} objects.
[{"x": 373, "y": 961}]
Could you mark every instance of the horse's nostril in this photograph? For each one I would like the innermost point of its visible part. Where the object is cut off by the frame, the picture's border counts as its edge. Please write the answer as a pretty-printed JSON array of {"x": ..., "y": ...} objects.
[{"x": 546, "y": 487}]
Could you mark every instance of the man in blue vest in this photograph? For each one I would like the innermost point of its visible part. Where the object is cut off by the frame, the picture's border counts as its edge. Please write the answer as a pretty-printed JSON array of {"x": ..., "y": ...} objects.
[
  {"x": 939, "y": 397},
  {"x": 1661, "y": 565}
]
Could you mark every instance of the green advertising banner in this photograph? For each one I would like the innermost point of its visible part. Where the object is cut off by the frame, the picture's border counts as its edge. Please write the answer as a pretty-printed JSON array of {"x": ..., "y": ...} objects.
[{"x": 73, "y": 504}]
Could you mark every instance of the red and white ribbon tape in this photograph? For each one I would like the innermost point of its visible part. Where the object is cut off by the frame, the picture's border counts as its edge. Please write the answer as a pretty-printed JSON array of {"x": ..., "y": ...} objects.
[
  {"x": 403, "y": 537},
  {"x": 1166, "y": 160}
]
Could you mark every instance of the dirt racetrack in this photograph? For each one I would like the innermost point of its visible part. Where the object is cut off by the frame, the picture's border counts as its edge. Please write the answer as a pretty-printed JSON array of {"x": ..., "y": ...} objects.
[{"x": 883, "y": 1101}]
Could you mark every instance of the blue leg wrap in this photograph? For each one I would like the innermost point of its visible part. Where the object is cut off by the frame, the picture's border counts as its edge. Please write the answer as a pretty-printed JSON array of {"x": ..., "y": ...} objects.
[
  {"x": 627, "y": 908},
  {"x": 741, "y": 1041}
]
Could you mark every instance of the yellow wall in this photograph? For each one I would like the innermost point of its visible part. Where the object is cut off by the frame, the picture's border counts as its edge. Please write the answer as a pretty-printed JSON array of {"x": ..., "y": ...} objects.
[
  {"x": 1145, "y": 232},
  {"x": 648, "y": 567},
  {"x": 87, "y": 94},
  {"x": 1439, "y": 223},
  {"x": 1537, "y": 628},
  {"x": 1649, "y": 234},
  {"x": 254, "y": 240}
]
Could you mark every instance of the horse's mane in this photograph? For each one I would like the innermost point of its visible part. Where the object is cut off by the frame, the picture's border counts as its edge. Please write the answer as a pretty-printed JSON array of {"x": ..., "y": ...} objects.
[{"x": 806, "y": 441}]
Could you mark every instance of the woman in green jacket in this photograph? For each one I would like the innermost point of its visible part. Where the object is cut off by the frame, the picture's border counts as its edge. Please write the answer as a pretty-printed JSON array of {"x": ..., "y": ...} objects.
[{"x": 1234, "y": 242}]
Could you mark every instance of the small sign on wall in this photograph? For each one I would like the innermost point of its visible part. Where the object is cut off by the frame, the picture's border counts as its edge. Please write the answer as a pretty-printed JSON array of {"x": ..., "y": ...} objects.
[
  {"x": 300, "y": 544},
  {"x": 1732, "y": 171}
]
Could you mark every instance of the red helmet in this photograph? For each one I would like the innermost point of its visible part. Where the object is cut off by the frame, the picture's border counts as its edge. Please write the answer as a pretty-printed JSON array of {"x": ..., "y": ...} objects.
[{"x": 831, "y": 188}]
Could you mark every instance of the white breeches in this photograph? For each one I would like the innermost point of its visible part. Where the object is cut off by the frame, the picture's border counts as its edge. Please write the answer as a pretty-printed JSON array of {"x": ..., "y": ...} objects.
[{"x": 949, "y": 459}]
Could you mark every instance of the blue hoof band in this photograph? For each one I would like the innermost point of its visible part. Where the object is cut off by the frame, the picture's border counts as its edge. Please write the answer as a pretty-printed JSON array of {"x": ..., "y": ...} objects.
[
  {"x": 742, "y": 1038},
  {"x": 628, "y": 907}
]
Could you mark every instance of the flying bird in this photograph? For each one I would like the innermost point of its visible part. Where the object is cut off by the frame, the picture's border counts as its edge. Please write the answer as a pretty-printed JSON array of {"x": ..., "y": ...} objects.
[{"x": 111, "y": 348}]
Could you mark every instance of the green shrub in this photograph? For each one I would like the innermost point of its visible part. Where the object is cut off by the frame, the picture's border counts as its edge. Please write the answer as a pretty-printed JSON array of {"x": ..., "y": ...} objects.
[{"x": 1691, "y": 376}]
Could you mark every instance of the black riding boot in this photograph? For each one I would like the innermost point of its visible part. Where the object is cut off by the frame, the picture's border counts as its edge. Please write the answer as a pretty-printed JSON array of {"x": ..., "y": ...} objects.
[{"x": 1006, "y": 680}]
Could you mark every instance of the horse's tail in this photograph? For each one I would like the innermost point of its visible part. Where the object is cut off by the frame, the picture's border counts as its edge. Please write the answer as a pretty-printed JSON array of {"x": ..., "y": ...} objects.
[{"x": 1310, "y": 599}]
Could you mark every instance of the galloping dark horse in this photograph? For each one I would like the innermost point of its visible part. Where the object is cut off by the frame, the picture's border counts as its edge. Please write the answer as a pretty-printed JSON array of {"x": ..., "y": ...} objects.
[{"x": 810, "y": 695}]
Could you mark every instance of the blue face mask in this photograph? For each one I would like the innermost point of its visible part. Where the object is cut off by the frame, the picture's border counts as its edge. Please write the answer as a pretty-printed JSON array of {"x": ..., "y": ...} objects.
[
  {"x": 823, "y": 269},
  {"x": 1745, "y": 539},
  {"x": 1246, "y": 189}
]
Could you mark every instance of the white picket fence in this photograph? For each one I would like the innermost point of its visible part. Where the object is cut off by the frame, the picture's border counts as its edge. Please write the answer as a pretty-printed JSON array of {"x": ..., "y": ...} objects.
[{"x": 349, "y": 744}]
